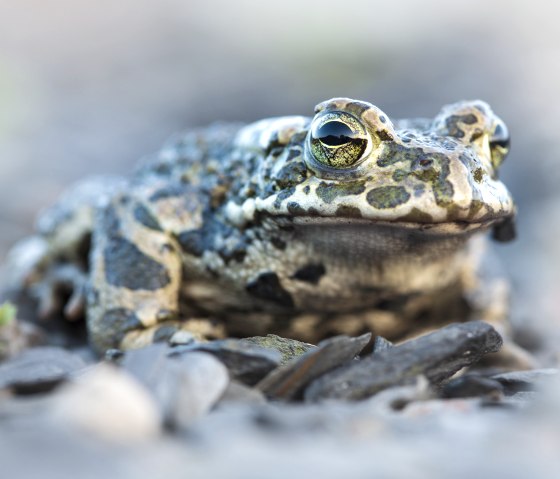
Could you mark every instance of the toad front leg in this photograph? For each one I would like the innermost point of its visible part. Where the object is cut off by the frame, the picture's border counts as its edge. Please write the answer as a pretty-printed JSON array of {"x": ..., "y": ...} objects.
[{"x": 135, "y": 275}]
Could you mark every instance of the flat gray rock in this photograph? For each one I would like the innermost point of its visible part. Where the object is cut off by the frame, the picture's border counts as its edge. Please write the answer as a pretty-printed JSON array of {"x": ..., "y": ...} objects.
[
  {"x": 288, "y": 381},
  {"x": 472, "y": 385},
  {"x": 437, "y": 356},
  {"x": 524, "y": 381},
  {"x": 38, "y": 370},
  {"x": 246, "y": 362}
]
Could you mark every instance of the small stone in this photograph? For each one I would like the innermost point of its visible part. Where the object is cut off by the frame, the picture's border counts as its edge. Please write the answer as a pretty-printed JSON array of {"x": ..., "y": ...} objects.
[
  {"x": 38, "y": 370},
  {"x": 108, "y": 403},
  {"x": 288, "y": 381},
  {"x": 288, "y": 348},
  {"x": 245, "y": 362},
  {"x": 195, "y": 382},
  {"x": 182, "y": 337},
  {"x": 472, "y": 385},
  {"x": 437, "y": 356},
  {"x": 185, "y": 386}
]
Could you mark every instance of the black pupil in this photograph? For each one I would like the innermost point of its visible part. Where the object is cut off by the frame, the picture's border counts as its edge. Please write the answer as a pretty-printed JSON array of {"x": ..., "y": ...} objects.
[{"x": 334, "y": 133}]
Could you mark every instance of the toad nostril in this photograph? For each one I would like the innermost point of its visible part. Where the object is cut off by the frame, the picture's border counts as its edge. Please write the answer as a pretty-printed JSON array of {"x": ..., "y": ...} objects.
[{"x": 426, "y": 162}]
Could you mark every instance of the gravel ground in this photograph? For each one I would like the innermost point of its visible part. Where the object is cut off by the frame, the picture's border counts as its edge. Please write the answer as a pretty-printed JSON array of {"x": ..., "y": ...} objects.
[{"x": 90, "y": 88}]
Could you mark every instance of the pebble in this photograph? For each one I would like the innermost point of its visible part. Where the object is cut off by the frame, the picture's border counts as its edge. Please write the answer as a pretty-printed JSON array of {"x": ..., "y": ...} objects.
[{"x": 108, "y": 403}]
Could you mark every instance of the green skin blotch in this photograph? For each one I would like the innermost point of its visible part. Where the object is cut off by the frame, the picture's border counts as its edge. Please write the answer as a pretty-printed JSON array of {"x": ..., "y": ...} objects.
[
  {"x": 478, "y": 175},
  {"x": 329, "y": 191},
  {"x": 387, "y": 196}
]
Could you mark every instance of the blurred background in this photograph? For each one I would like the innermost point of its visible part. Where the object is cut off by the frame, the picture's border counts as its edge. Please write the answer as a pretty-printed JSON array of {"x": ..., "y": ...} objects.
[{"x": 90, "y": 87}]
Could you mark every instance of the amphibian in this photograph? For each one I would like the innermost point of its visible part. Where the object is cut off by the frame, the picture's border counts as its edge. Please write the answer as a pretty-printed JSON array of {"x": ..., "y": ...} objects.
[{"x": 343, "y": 222}]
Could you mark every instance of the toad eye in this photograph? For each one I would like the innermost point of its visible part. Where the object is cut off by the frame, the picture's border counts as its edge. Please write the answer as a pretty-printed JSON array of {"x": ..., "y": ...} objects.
[
  {"x": 499, "y": 144},
  {"x": 338, "y": 140}
]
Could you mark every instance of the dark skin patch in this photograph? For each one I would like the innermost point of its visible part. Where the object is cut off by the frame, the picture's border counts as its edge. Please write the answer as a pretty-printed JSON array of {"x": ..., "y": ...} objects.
[
  {"x": 417, "y": 216},
  {"x": 110, "y": 220},
  {"x": 293, "y": 153},
  {"x": 163, "y": 334},
  {"x": 236, "y": 252},
  {"x": 396, "y": 304},
  {"x": 443, "y": 193},
  {"x": 168, "y": 192},
  {"x": 385, "y": 135},
  {"x": 435, "y": 173},
  {"x": 192, "y": 242},
  {"x": 126, "y": 266},
  {"x": 284, "y": 194},
  {"x": 267, "y": 286},
  {"x": 475, "y": 207},
  {"x": 119, "y": 321},
  {"x": 357, "y": 108},
  {"x": 453, "y": 121},
  {"x": 399, "y": 175},
  {"x": 310, "y": 273},
  {"x": 291, "y": 174},
  {"x": 278, "y": 243},
  {"x": 432, "y": 168},
  {"x": 328, "y": 192},
  {"x": 313, "y": 212},
  {"x": 346, "y": 211},
  {"x": 144, "y": 217},
  {"x": 295, "y": 209},
  {"x": 476, "y": 134},
  {"x": 469, "y": 119},
  {"x": 196, "y": 242},
  {"x": 387, "y": 196},
  {"x": 395, "y": 152}
]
